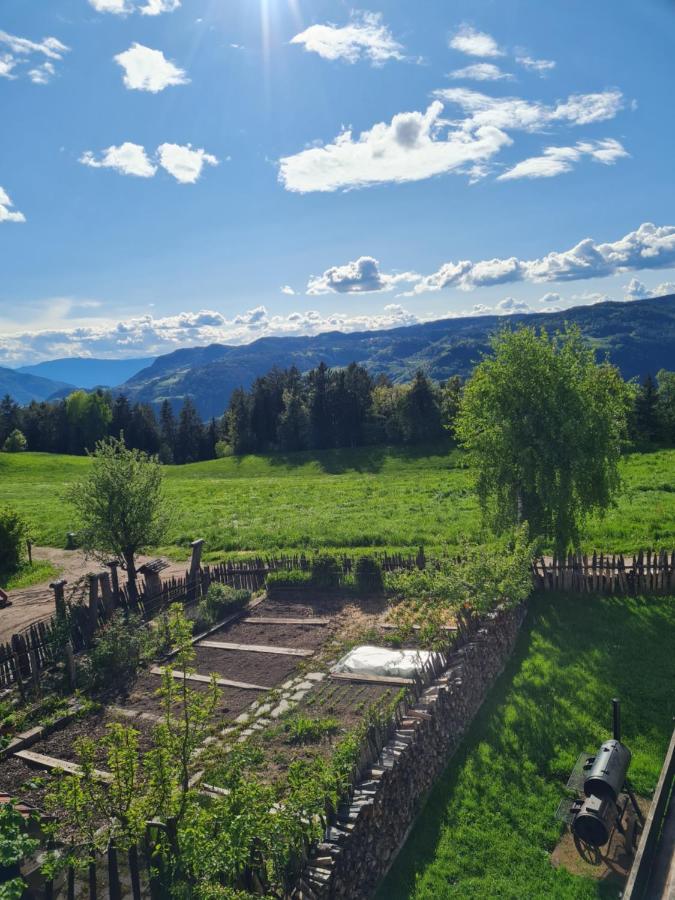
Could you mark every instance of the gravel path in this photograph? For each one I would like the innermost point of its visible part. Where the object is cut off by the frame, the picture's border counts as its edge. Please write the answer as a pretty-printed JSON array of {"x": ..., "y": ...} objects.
[{"x": 37, "y": 602}]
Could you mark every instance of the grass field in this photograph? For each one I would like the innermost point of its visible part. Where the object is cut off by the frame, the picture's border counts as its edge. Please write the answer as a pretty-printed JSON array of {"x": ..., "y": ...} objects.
[
  {"x": 488, "y": 827},
  {"x": 372, "y": 497}
]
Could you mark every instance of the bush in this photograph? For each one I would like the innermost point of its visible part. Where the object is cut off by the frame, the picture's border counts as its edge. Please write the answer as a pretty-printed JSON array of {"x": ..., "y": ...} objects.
[
  {"x": 120, "y": 648},
  {"x": 16, "y": 442},
  {"x": 220, "y": 600},
  {"x": 291, "y": 579},
  {"x": 368, "y": 574},
  {"x": 13, "y": 536},
  {"x": 325, "y": 572}
]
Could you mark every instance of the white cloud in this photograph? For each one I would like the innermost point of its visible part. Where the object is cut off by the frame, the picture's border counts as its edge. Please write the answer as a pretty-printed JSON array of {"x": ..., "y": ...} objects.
[
  {"x": 481, "y": 72},
  {"x": 124, "y": 7},
  {"x": 516, "y": 114},
  {"x": 365, "y": 37},
  {"x": 23, "y": 51},
  {"x": 550, "y": 297},
  {"x": 540, "y": 66},
  {"x": 184, "y": 163},
  {"x": 156, "y": 7},
  {"x": 558, "y": 160},
  {"x": 127, "y": 159},
  {"x": 149, "y": 70},
  {"x": 287, "y": 289},
  {"x": 43, "y": 73},
  {"x": 510, "y": 305},
  {"x": 475, "y": 43},
  {"x": 636, "y": 290},
  {"x": 7, "y": 213},
  {"x": 413, "y": 146},
  {"x": 147, "y": 335},
  {"x": 361, "y": 276},
  {"x": 648, "y": 247}
]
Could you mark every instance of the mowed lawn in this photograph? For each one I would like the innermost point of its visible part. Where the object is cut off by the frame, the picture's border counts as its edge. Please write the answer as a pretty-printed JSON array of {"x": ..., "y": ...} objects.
[
  {"x": 489, "y": 825},
  {"x": 364, "y": 498}
]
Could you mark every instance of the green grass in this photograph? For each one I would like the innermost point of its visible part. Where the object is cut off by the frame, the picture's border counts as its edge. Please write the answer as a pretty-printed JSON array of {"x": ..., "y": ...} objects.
[
  {"x": 28, "y": 575},
  {"x": 488, "y": 826},
  {"x": 372, "y": 497}
]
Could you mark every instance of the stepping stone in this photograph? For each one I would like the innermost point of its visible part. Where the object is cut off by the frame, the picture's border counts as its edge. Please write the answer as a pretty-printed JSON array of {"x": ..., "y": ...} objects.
[
  {"x": 315, "y": 676},
  {"x": 283, "y": 707}
]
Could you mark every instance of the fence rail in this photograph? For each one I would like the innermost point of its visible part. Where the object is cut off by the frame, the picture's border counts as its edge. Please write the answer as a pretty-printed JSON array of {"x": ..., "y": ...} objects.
[
  {"x": 38, "y": 647},
  {"x": 646, "y": 572}
]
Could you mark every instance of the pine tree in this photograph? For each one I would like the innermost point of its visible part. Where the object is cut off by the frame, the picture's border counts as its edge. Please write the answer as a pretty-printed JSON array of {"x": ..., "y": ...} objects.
[
  {"x": 645, "y": 415},
  {"x": 167, "y": 433},
  {"x": 421, "y": 411},
  {"x": 293, "y": 427},
  {"x": 190, "y": 434},
  {"x": 239, "y": 422},
  {"x": 319, "y": 411}
]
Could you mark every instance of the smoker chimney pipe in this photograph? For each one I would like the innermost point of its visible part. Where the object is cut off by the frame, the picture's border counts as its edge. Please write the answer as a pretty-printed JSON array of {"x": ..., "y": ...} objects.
[{"x": 616, "y": 710}]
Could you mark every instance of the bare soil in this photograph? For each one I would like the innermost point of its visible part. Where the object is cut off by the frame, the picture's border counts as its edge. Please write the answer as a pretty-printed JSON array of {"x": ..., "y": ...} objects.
[
  {"x": 301, "y": 637},
  {"x": 267, "y": 669},
  {"x": 36, "y": 603}
]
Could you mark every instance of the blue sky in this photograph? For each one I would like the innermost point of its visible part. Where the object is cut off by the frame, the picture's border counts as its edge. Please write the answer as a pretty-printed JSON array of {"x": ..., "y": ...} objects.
[{"x": 174, "y": 173}]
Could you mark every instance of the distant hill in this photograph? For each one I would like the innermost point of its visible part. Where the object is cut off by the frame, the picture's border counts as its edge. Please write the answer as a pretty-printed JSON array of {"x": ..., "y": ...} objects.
[
  {"x": 23, "y": 388},
  {"x": 639, "y": 338},
  {"x": 88, "y": 373}
]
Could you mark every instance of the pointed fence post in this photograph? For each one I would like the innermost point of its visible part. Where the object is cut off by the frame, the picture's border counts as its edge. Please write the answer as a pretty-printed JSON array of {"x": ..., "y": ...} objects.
[{"x": 195, "y": 566}]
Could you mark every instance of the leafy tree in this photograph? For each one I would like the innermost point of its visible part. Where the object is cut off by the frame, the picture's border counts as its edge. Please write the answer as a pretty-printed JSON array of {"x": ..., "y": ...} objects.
[
  {"x": 120, "y": 504},
  {"x": 544, "y": 425},
  {"x": 89, "y": 417},
  {"x": 16, "y": 442},
  {"x": 15, "y": 846}
]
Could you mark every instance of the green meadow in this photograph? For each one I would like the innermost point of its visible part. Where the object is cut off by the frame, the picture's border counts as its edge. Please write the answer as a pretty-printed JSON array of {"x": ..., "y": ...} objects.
[
  {"x": 379, "y": 497},
  {"x": 489, "y": 825}
]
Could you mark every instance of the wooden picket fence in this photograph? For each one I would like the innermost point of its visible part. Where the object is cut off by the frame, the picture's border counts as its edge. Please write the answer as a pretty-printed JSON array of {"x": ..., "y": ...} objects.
[
  {"x": 38, "y": 647},
  {"x": 648, "y": 572}
]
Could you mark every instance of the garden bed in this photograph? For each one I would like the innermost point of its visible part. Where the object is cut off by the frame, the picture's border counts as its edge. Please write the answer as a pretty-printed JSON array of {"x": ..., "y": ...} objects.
[
  {"x": 305, "y": 637},
  {"x": 266, "y": 669}
]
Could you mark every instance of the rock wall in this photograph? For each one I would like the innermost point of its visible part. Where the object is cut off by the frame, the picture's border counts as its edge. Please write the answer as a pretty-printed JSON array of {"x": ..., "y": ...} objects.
[{"x": 362, "y": 845}]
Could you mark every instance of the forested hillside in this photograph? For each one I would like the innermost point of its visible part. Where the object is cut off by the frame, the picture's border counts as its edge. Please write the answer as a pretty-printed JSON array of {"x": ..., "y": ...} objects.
[{"x": 639, "y": 338}]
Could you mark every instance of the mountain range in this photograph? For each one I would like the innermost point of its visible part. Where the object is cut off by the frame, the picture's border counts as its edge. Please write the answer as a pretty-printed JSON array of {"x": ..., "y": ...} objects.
[
  {"x": 639, "y": 337},
  {"x": 86, "y": 372}
]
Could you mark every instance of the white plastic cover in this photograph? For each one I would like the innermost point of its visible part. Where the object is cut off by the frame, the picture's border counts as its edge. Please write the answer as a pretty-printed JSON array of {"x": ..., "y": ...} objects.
[{"x": 368, "y": 660}]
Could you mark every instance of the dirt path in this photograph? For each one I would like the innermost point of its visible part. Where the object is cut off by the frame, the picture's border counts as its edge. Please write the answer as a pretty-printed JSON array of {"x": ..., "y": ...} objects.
[{"x": 37, "y": 602}]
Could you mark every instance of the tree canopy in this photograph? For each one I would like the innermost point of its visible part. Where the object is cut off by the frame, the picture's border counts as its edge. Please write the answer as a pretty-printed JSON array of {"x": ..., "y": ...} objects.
[
  {"x": 544, "y": 425},
  {"x": 121, "y": 504}
]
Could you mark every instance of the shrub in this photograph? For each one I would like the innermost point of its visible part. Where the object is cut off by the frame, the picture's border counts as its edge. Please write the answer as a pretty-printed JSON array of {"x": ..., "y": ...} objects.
[
  {"x": 368, "y": 574},
  {"x": 292, "y": 579},
  {"x": 220, "y": 600},
  {"x": 13, "y": 536},
  {"x": 121, "y": 646},
  {"x": 16, "y": 442},
  {"x": 325, "y": 572}
]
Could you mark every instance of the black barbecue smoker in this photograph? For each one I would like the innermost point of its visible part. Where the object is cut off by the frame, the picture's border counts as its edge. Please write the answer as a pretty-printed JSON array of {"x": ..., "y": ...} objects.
[{"x": 603, "y": 791}]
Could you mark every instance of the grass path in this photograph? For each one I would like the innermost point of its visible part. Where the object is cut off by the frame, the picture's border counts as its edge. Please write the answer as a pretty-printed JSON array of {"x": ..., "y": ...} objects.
[
  {"x": 369, "y": 497},
  {"x": 488, "y": 826}
]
